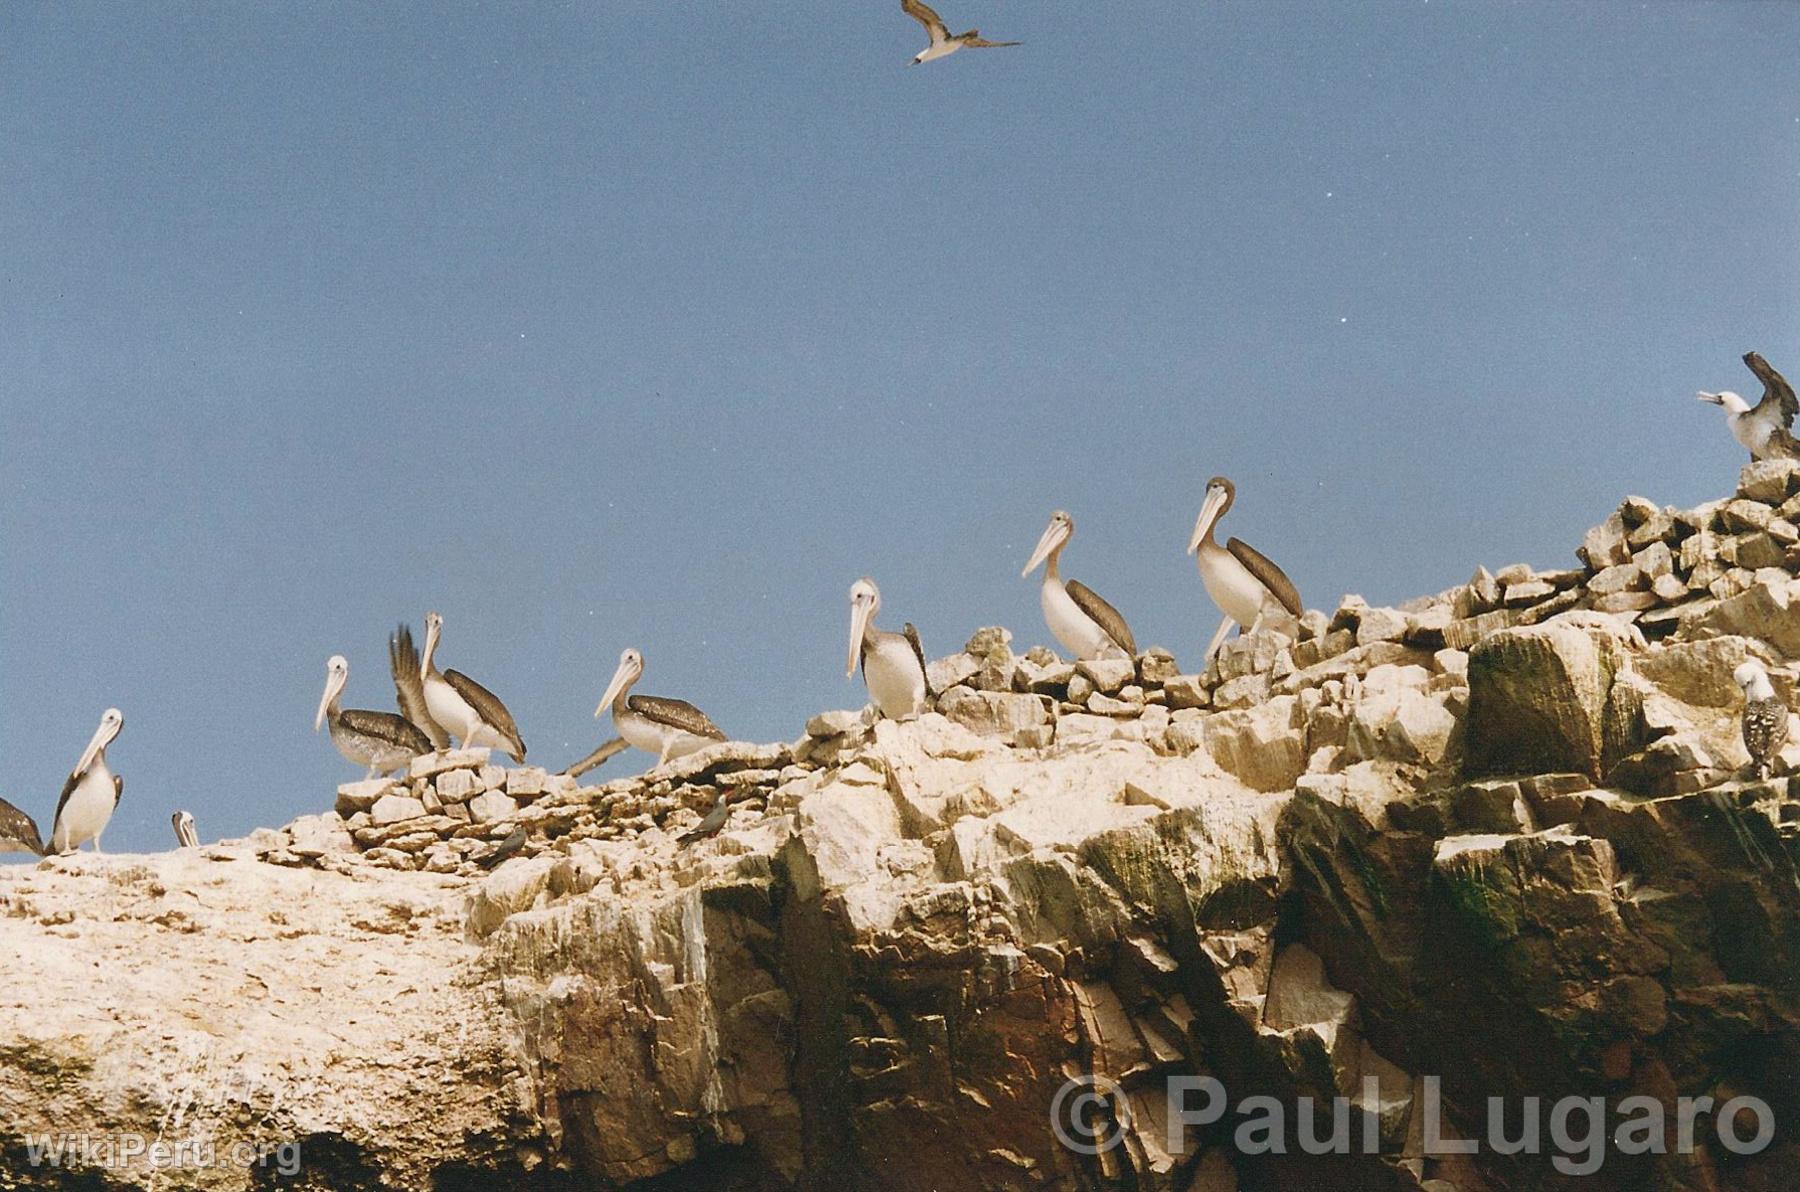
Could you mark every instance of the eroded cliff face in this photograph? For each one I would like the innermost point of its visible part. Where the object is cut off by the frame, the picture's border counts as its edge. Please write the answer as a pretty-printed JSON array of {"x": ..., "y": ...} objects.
[{"x": 1492, "y": 844}]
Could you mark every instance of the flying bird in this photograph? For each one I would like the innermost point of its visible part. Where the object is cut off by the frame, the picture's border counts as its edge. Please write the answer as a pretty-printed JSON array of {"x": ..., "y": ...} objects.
[
  {"x": 185, "y": 836},
  {"x": 943, "y": 42},
  {"x": 1765, "y": 719},
  {"x": 381, "y": 741},
  {"x": 18, "y": 831},
  {"x": 462, "y": 705},
  {"x": 669, "y": 728},
  {"x": 1242, "y": 581},
  {"x": 1086, "y": 625},
  {"x": 1765, "y": 428},
  {"x": 712, "y": 823},
  {"x": 893, "y": 664},
  {"x": 91, "y": 793}
]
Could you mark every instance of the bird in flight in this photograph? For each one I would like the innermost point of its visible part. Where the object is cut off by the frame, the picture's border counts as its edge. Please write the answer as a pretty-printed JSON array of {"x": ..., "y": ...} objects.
[{"x": 943, "y": 42}]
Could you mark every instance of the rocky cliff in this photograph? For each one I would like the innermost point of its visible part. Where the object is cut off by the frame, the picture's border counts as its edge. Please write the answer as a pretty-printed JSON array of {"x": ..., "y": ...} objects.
[{"x": 1491, "y": 844}]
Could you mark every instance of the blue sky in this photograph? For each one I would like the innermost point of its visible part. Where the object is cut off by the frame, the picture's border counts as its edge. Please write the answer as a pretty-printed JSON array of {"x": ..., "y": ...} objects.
[{"x": 657, "y": 325}]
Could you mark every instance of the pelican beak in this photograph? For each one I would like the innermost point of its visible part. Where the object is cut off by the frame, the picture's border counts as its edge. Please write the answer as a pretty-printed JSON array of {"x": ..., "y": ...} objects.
[
  {"x": 1209, "y": 513},
  {"x": 860, "y": 612},
  {"x": 1051, "y": 539},
  {"x": 331, "y": 689},
  {"x": 95, "y": 744},
  {"x": 620, "y": 681},
  {"x": 431, "y": 636}
]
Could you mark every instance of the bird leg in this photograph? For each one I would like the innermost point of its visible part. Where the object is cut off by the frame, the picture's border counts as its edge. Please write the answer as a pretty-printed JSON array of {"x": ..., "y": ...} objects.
[
  {"x": 1256, "y": 624},
  {"x": 1218, "y": 639}
]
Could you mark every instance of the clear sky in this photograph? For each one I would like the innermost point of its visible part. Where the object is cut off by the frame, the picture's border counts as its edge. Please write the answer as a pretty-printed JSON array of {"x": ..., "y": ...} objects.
[{"x": 658, "y": 324}]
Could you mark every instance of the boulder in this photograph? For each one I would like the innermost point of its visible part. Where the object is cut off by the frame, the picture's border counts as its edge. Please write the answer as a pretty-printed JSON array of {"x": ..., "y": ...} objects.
[{"x": 1543, "y": 699}]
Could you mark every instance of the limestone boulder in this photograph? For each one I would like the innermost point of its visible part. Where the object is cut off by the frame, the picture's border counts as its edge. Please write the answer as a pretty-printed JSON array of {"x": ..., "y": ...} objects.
[{"x": 1546, "y": 698}]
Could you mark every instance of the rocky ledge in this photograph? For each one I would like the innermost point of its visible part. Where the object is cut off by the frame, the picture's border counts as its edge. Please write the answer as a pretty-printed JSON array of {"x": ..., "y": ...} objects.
[{"x": 1494, "y": 843}]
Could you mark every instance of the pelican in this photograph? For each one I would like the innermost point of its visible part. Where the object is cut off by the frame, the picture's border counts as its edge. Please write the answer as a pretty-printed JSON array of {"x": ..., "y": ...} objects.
[
  {"x": 669, "y": 728},
  {"x": 1086, "y": 625},
  {"x": 943, "y": 42},
  {"x": 462, "y": 705},
  {"x": 409, "y": 686},
  {"x": 91, "y": 793},
  {"x": 1765, "y": 719},
  {"x": 1762, "y": 428},
  {"x": 893, "y": 663},
  {"x": 1241, "y": 580},
  {"x": 185, "y": 836},
  {"x": 381, "y": 741},
  {"x": 18, "y": 831}
]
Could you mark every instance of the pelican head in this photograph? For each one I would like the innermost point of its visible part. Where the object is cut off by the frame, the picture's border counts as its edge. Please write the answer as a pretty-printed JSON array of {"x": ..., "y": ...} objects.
[
  {"x": 1754, "y": 680},
  {"x": 434, "y": 625},
  {"x": 865, "y": 598},
  {"x": 1732, "y": 402},
  {"x": 1220, "y": 493},
  {"x": 631, "y": 668},
  {"x": 1060, "y": 529},
  {"x": 337, "y": 673},
  {"x": 111, "y": 722}
]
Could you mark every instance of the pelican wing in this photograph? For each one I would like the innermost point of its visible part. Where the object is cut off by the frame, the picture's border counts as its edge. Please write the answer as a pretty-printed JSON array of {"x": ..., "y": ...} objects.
[
  {"x": 1102, "y": 614},
  {"x": 19, "y": 828},
  {"x": 912, "y": 637},
  {"x": 598, "y": 757},
  {"x": 676, "y": 713},
  {"x": 62, "y": 800},
  {"x": 385, "y": 726},
  {"x": 974, "y": 40},
  {"x": 934, "y": 25},
  {"x": 1269, "y": 575},
  {"x": 409, "y": 688},
  {"x": 487, "y": 705},
  {"x": 118, "y": 788},
  {"x": 1777, "y": 393}
]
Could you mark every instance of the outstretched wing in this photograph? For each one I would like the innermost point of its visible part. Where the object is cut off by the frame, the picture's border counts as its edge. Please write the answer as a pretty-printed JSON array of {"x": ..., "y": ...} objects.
[
  {"x": 385, "y": 726},
  {"x": 487, "y": 705},
  {"x": 978, "y": 42},
  {"x": 1102, "y": 614},
  {"x": 16, "y": 826},
  {"x": 1269, "y": 575},
  {"x": 676, "y": 713},
  {"x": 597, "y": 758},
  {"x": 934, "y": 25},
  {"x": 409, "y": 688},
  {"x": 1776, "y": 391},
  {"x": 912, "y": 636}
]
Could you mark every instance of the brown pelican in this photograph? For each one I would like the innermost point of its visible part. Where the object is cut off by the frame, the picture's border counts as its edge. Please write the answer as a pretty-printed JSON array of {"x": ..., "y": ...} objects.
[
  {"x": 893, "y": 663},
  {"x": 669, "y": 728},
  {"x": 1086, "y": 625},
  {"x": 1241, "y": 579},
  {"x": 18, "y": 831},
  {"x": 943, "y": 42},
  {"x": 1763, "y": 429},
  {"x": 381, "y": 741},
  {"x": 185, "y": 836},
  {"x": 712, "y": 823},
  {"x": 1765, "y": 720},
  {"x": 463, "y": 706},
  {"x": 409, "y": 686},
  {"x": 91, "y": 793}
]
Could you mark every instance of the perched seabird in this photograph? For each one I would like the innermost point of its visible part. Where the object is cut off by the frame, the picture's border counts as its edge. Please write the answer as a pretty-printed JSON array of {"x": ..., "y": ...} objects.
[
  {"x": 381, "y": 741},
  {"x": 711, "y": 823},
  {"x": 943, "y": 42},
  {"x": 599, "y": 757},
  {"x": 669, "y": 728},
  {"x": 18, "y": 831},
  {"x": 91, "y": 793},
  {"x": 506, "y": 848},
  {"x": 893, "y": 664},
  {"x": 1241, "y": 580},
  {"x": 185, "y": 836},
  {"x": 1765, "y": 720},
  {"x": 463, "y": 706},
  {"x": 1086, "y": 625},
  {"x": 409, "y": 686},
  {"x": 1763, "y": 429}
]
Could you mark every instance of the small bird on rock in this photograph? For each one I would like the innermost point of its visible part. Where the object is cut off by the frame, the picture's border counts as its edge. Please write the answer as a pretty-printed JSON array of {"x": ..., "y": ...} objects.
[
  {"x": 506, "y": 848},
  {"x": 712, "y": 824},
  {"x": 1765, "y": 720}
]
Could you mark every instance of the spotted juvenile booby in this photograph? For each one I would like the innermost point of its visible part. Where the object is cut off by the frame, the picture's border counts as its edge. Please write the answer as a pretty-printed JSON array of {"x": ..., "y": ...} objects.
[
  {"x": 943, "y": 42},
  {"x": 669, "y": 728},
  {"x": 18, "y": 831},
  {"x": 893, "y": 664},
  {"x": 185, "y": 835},
  {"x": 409, "y": 686},
  {"x": 1086, "y": 625},
  {"x": 1765, "y": 428},
  {"x": 91, "y": 793},
  {"x": 463, "y": 706},
  {"x": 1242, "y": 581},
  {"x": 1765, "y": 719},
  {"x": 712, "y": 823},
  {"x": 381, "y": 741}
]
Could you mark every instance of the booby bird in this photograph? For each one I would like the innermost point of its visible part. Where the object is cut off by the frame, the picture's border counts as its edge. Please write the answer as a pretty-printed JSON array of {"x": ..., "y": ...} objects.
[
  {"x": 1763, "y": 429},
  {"x": 1086, "y": 625},
  {"x": 463, "y": 706},
  {"x": 943, "y": 42},
  {"x": 409, "y": 686},
  {"x": 381, "y": 741},
  {"x": 91, "y": 793},
  {"x": 669, "y": 728},
  {"x": 1765, "y": 719},
  {"x": 185, "y": 836},
  {"x": 893, "y": 663},
  {"x": 18, "y": 831},
  {"x": 1242, "y": 581},
  {"x": 712, "y": 823}
]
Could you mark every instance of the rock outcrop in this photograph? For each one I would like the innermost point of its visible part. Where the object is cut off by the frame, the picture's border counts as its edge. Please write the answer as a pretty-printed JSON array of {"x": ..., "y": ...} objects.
[{"x": 1490, "y": 844}]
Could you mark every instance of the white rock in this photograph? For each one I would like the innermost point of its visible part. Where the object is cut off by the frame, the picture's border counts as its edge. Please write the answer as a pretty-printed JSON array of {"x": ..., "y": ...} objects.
[
  {"x": 491, "y": 805},
  {"x": 830, "y": 724},
  {"x": 391, "y": 809},
  {"x": 428, "y": 765},
  {"x": 353, "y": 797},
  {"x": 316, "y": 835},
  {"x": 455, "y": 786},
  {"x": 527, "y": 782},
  {"x": 1107, "y": 674}
]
